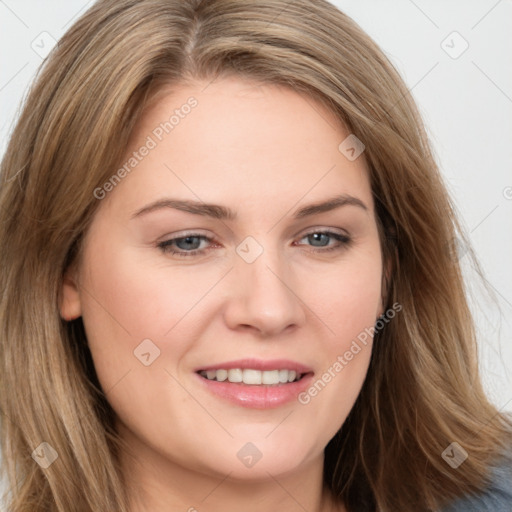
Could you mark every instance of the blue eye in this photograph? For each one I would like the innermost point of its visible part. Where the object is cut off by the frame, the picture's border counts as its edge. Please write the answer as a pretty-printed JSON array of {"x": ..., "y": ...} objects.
[
  {"x": 186, "y": 245},
  {"x": 322, "y": 238},
  {"x": 190, "y": 245}
]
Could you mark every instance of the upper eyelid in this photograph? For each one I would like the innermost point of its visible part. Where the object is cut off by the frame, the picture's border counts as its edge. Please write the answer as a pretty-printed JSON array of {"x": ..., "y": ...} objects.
[{"x": 302, "y": 233}]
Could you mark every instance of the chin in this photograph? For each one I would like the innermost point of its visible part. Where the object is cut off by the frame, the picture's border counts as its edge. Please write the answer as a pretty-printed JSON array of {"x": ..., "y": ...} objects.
[{"x": 259, "y": 458}]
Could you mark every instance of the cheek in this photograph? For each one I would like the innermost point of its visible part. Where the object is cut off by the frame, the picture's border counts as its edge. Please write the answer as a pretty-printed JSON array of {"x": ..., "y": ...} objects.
[
  {"x": 128, "y": 298},
  {"x": 348, "y": 307},
  {"x": 134, "y": 295},
  {"x": 348, "y": 297}
]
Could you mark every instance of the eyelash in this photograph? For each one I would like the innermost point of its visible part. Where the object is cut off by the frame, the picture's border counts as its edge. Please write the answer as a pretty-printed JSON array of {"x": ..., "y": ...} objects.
[{"x": 344, "y": 241}]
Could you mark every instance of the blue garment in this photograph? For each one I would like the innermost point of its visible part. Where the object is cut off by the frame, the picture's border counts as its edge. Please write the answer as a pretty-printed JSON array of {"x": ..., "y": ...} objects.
[{"x": 497, "y": 497}]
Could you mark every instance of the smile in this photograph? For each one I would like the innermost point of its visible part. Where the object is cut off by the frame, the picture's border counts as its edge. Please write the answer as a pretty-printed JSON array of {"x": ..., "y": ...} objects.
[{"x": 252, "y": 377}]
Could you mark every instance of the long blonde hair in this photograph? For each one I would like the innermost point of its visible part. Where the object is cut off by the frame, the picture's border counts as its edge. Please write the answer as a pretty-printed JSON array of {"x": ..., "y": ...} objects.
[{"x": 422, "y": 391}]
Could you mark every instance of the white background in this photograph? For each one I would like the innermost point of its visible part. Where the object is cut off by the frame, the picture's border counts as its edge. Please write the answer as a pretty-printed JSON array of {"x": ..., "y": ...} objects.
[{"x": 466, "y": 103}]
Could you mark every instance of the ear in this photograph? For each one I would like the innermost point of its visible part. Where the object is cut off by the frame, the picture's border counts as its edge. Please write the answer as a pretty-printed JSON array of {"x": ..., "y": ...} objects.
[{"x": 70, "y": 305}]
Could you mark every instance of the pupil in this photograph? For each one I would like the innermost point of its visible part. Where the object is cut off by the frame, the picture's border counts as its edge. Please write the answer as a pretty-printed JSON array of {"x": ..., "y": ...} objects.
[
  {"x": 317, "y": 237},
  {"x": 188, "y": 240}
]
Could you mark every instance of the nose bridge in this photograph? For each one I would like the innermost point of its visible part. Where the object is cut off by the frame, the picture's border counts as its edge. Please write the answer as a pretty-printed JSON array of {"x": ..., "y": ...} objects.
[{"x": 265, "y": 297}]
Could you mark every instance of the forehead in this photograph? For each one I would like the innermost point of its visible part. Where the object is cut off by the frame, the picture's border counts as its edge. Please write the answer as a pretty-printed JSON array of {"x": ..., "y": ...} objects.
[{"x": 239, "y": 142}]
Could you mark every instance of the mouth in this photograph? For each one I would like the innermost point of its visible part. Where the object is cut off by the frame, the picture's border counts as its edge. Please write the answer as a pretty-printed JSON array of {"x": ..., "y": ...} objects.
[
  {"x": 252, "y": 376},
  {"x": 256, "y": 383}
]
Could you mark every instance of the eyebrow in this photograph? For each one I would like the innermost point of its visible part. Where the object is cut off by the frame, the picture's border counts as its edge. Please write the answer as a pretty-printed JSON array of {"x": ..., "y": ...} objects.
[{"x": 223, "y": 213}]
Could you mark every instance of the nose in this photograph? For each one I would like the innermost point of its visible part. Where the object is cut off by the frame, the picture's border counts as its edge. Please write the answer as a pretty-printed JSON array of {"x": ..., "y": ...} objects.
[{"x": 264, "y": 296}]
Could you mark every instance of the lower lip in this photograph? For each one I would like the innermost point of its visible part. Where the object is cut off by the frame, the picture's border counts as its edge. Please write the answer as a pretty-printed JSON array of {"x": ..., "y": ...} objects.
[{"x": 257, "y": 396}]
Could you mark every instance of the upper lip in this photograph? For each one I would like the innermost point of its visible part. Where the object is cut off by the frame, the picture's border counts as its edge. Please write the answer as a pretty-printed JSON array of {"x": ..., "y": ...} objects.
[{"x": 258, "y": 364}]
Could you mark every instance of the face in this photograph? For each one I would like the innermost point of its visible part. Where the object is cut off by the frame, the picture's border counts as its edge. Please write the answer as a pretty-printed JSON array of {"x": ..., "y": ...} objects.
[{"x": 281, "y": 275}]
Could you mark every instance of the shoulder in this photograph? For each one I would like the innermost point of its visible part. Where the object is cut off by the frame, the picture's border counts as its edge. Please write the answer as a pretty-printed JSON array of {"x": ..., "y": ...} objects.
[{"x": 496, "y": 497}]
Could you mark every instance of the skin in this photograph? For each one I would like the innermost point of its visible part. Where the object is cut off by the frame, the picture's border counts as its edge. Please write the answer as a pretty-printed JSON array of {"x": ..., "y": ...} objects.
[{"x": 263, "y": 151}]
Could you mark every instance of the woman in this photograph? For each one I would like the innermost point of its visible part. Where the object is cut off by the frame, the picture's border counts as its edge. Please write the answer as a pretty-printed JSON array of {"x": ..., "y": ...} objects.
[{"x": 226, "y": 282}]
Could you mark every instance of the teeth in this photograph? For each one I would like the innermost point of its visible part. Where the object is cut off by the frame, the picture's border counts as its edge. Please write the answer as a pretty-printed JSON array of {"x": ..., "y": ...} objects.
[
  {"x": 221, "y": 375},
  {"x": 252, "y": 377},
  {"x": 235, "y": 375},
  {"x": 271, "y": 377}
]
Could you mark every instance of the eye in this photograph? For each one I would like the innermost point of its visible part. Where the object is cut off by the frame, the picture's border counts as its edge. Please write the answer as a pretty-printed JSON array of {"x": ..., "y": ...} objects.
[
  {"x": 320, "y": 240},
  {"x": 188, "y": 245}
]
